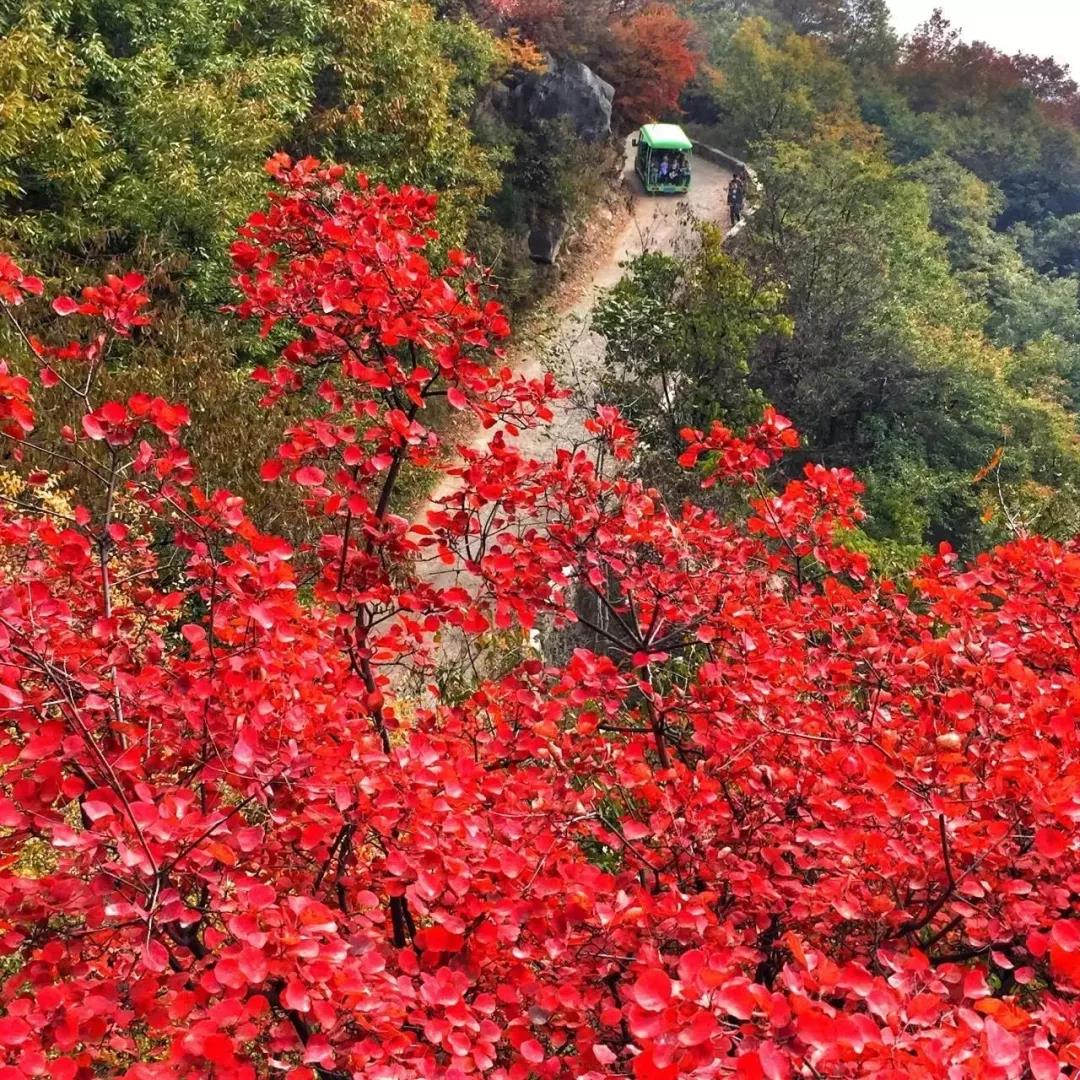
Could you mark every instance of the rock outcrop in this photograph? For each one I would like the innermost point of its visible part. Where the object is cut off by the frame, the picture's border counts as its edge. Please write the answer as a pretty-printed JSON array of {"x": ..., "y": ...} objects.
[
  {"x": 568, "y": 90},
  {"x": 546, "y": 239}
]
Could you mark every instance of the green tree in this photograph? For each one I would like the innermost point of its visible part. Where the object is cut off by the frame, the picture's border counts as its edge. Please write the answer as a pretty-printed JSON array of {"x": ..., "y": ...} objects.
[
  {"x": 775, "y": 84},
  {"x": 164, "y": 114},
  {"x": 142, "y": 126},
  {"x": 1052, "y": 245},
  {"x": 53, "y": 151},
  {"x": 679, "y": 334},
  {"x": 889, "y": 367},
  {"x": 1023, "y": 305},
  {"x": 910, "y": 135},
  {"x": 395, "y": 98},
  {"x": 1012, "y": 120},
  {"x": 863, "y": 36}
]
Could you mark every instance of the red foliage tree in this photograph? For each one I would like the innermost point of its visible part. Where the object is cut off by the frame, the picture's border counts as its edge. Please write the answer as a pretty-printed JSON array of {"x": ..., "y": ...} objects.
[
  {"x": 786, "y": 819},
  {"x": 940, "y": 68},
  {"x": 653, "y": 61},
  {"x": 529, "y": 12},
  {"x": 561, "y": 27}
]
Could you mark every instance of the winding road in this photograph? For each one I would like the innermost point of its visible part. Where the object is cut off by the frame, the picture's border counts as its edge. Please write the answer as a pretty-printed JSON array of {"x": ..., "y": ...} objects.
[{"x": 660, "y": 222}]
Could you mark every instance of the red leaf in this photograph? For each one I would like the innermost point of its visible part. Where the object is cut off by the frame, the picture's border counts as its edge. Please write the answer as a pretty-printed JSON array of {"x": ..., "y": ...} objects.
[
  {"x": 12, "y": 696},
  {"x": 253, "y": 964},
  {"x": 736, "y": 999},
  {"x": 218, "y": 1048},
  {"x": 271, "y": 469},
  {"x": 14, "y": 1030},
  {"x": 1066, "y": 934},
  {"x": 646, "y": 1067},
  {"x": 96, "y": 809},
  {"x": 309, "y": 476},
  {"x": 1002, "y": 1047},
  {"x": 652, "y": 990},
  {"x": 112, "y": 412},
  {"x": 295, "y": 996},
  {"x": 817, "y": 1030},
  {"x": 532, "y": 1051},
  {"x": 1051, "y": 843},
  {"x": 64, "y": 305},
  {"x": 155, "y": 957},
  {"x": 958, "y": 704},
  {"x": 92, "y": 426},
  {"x": 1044, "y": 1065},
  {"x": 11, "y": 817}
]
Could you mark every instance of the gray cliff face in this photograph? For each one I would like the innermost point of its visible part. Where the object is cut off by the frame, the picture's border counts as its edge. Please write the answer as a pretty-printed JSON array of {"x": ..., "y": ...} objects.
[
  {"x": 546, "y": 239},
  {"x": 569, "y": 91},
  {"x": 572, "y": 92}
]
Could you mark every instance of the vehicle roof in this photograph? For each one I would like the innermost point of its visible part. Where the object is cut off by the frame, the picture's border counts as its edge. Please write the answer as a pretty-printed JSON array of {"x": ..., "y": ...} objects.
[{"x": 666, "y": 137}]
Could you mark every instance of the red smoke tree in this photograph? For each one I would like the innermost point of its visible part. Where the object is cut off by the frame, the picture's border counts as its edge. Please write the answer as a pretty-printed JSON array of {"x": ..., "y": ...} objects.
[
  {"x": 783, "y": 819},
  {"x": 653, "y": 61}
]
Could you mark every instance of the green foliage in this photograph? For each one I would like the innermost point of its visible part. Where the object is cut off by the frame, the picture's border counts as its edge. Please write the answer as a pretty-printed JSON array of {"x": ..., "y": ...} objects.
[
  {"x": 1024, "y": 306},
  {"x": 678, "y": 338},
  {"x": 543, "y": 178},
  {"x": 140, "y": 128},
  {"x": 889, "y": 369},
  {"x": 395, "y": 99},
  {"x": 1012, "y": 120},
  {"x": 191, "y": 149},
  {"x": 910, "y": 135},
  {"x": 775, "y": 84},
  {"x": 52, "y": 151},
  {"x": 863, "y": 36},
  {"x": 161, "y": 113},
  {"x": 856, "y": 31},
  {"x": 1052, "y": 245},
  {"x": 927, "y": 337}
]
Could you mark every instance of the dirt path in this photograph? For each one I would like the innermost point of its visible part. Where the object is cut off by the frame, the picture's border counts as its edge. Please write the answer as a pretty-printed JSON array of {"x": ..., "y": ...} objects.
[{"x": 559, "y": 338}]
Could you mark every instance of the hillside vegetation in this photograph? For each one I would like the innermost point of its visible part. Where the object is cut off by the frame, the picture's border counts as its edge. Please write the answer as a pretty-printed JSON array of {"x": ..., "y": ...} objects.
[
  {"x": 701, "y": 744},
  {"x": 915, "y": 209}
]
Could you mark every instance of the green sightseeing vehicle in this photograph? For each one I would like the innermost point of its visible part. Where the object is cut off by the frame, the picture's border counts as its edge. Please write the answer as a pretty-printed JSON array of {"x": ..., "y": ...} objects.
[{"x": 663, "y": 158}]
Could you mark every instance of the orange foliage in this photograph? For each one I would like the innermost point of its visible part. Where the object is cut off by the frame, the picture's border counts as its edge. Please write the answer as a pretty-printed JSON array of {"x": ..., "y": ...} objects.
[
  {"x": 524, "y": 11},
  {"x": 520, "y": 54},
  {"x": 654, "y": 60}
]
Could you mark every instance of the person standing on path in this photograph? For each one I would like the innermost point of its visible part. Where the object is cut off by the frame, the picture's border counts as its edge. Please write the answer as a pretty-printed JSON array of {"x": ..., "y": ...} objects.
[{"x": 736, "y": 196}]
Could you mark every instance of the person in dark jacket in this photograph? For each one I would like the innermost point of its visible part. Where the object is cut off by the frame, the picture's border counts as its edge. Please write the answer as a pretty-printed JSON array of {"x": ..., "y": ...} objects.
[{"x": 736, "y": 198}]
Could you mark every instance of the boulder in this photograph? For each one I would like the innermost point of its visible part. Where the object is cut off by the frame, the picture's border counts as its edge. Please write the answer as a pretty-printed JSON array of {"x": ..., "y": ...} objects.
[
  {"x": 568, "y": 90},
  {"x": 546, "y": 239}
]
